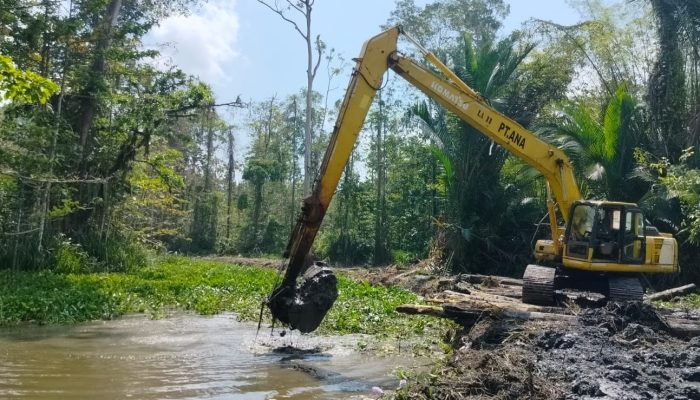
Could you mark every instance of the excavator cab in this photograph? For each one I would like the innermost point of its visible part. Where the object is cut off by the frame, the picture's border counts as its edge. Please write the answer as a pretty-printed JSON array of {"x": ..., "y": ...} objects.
[
  {"x": 606, "y": 232},
  {"x": 608, "y": 236}
]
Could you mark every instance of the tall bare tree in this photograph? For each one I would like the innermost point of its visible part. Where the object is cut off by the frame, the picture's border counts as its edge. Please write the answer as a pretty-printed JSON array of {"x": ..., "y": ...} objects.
[
  {"x": 230, "y": 177},
  {"x": 303, "y": 8}
]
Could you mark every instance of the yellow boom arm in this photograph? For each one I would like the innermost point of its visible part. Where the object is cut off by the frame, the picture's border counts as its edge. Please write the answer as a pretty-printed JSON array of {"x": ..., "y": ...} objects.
[{"x": 379, "y": 54}]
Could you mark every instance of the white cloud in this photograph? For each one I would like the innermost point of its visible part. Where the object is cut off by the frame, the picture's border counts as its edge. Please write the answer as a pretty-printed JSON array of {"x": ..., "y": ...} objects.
[{"x": 202, "y": 43}]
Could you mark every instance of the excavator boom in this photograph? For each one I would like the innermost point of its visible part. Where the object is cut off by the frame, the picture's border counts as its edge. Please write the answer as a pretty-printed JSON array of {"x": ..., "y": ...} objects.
[{"x": 378, "y": 55}]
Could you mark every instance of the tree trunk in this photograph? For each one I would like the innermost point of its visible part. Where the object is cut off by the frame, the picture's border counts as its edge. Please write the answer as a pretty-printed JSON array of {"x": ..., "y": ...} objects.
[
  {"x": 15, "y": 252},
  {"x": 380, "y": 250},
  {"x": 667, "y": 92},
  {"x": 89, "y": 104},
  {"x": 304, "y": 7},
  {"x": 210, "y": 151},
  {"x": 229, "y": 183},
  {"x": 256, "y": 212},
  {"x": 309, "y": 172},
  {"x": 54, "y": 140},
  {"x": 293, "y": 203}
]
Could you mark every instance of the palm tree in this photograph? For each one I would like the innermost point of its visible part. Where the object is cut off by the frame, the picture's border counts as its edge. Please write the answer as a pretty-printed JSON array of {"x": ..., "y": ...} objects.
[
  {"x": 476, "y": 202},
  {"x": 601, "y": 148}
]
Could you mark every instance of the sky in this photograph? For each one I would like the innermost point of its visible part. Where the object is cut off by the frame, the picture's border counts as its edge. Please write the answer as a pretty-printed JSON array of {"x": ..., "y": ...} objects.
[{"x": 242, "y": 48}]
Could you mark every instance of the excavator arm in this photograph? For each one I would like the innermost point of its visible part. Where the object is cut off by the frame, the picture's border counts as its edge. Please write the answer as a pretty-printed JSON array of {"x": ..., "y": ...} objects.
[{"x": 298, "y": 305}]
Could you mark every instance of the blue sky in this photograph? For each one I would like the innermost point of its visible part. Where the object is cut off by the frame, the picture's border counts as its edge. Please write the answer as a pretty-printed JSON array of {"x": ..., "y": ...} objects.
[{"x": 242, "y": 48}]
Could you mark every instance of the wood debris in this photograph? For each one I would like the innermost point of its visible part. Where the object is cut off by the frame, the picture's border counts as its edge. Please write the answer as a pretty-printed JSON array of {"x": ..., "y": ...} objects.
[
  {"x": 671, "y": 293},
  {"x": 476, "y": 297}
]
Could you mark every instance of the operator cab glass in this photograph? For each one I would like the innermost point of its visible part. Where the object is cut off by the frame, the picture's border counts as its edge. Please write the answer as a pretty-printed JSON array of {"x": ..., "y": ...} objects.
[{"x": 608, "y": 233}]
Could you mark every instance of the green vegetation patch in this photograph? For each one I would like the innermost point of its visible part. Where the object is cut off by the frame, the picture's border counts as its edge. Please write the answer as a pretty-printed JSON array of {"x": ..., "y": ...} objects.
[
  {"x": 689, "y": 301},
  {"x": 206, "y": 287}
]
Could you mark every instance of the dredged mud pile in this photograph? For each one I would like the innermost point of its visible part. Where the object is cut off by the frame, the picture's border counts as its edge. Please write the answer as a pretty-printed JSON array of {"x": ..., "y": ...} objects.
[{"x": 621, "y": 351}]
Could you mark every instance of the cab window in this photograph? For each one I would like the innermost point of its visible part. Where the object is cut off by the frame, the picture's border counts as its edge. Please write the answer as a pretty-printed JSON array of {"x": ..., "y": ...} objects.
[
  {"x": 580, "y": 231},
  {"x": 633, "y": 238}
]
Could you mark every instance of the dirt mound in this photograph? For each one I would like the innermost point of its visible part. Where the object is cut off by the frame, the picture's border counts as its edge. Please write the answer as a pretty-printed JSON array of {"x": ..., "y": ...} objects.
[
  {"x": 620, "y": 351},
  {"x": 493, "y": 359},
  {"x": 619, "y": 358},
  {"x": 617, "y": 316}
]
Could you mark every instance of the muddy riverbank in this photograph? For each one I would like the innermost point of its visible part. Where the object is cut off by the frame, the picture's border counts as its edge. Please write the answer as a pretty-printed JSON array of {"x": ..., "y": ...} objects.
[{"x": 618, "y": 352}]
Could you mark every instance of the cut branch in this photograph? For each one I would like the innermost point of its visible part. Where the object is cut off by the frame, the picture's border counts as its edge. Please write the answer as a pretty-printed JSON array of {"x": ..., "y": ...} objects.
[
  {"x": 671, "y": 293},
  {"x": 284, "y": 17}
]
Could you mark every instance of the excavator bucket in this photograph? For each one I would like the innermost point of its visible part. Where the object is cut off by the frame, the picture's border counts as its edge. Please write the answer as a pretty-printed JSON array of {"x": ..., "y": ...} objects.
[{"x": 304, "y": 304}]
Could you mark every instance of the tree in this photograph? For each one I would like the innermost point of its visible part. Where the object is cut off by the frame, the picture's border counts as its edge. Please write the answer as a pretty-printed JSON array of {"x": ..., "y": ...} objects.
[
  {"x": 267, "y": 165},
  {"x": 678, "y": 33},
  {"x": 304, "y": 8},
  {"x": 22, "y": 87},
  {"x": 440, "y": 24},
  {"x": 602, "y": 148},
  {"x": 471, "y": 163},
  {"x": 379, "y": 121}
]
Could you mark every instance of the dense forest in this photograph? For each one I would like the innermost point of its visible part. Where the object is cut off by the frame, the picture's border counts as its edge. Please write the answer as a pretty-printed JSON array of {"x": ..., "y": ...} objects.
[{"x": 106, "y": 157}]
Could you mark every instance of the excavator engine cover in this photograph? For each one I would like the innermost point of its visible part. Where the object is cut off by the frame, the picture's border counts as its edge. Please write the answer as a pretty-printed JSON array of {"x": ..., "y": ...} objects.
[{"x": 304, "y": 305}]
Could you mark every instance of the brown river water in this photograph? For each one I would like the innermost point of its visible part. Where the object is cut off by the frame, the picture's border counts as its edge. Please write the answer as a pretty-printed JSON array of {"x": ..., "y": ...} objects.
[{"x": 188, "y": 356}]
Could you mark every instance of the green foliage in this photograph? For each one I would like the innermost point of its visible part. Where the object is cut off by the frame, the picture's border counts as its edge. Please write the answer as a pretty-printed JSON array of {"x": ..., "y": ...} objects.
[
  {"x": 680, "y": 182},
  {"x": 206, "y": 287},
  {"x": 242, "y": 202},
  {"x": 115, "y": 253},
  {"x": 348, "y": 249},
  {"x": 363, "y": 308},
  {"x": 479, "y": 214},
  {"x": 440, "y": 23},
  {"x": 602, "y": 148},
  {"x": 21, "y": 87},
  {"x": 274, "y": 236},
  {"x": 205, "y": 222},
  {"x": 402, "y": 257},
  {"x": 691, "y": 301},
  {"x": 259, "y": 171},
  {"x": 447, "y": 175},
  {"x": 347, "y": 237},
  {"x": 69, "y": 257}
]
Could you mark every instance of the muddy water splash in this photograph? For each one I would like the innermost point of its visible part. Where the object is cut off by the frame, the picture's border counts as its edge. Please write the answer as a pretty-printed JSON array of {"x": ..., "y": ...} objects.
[{"x": 185, "y": 357}]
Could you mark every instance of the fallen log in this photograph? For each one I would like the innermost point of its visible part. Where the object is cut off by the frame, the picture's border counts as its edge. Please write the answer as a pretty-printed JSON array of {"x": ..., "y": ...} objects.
[
  {"x": 518, "y": 314},
  {"x": 482, "y": 295},
  {"x": 419, "y": 309},
  {"x": 683, "y": 328},
  {"x": 507, "y": 291},
  {"x": 671, "y": 293},
  {"x": 485, "y": 300},
  {"x": 481, "y": 279},
  {"x": 485, "y": 304},
  {"x": 464, "y": 311}
]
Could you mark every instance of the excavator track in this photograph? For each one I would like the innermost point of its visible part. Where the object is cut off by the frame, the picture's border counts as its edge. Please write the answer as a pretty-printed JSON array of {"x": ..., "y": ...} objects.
[
  {"x": 538, "y": 285},
  {"x": 624, "y": 288}
]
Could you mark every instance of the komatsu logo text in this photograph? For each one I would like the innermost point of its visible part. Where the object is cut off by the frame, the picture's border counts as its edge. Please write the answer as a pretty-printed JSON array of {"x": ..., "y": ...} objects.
[
  {"x": 446, "y": 93},
  {"x": 510, "y": 134}
]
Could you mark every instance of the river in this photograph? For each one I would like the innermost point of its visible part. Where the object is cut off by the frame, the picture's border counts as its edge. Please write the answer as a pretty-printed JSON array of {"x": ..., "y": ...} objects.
[{"x": 187, "y": 356}]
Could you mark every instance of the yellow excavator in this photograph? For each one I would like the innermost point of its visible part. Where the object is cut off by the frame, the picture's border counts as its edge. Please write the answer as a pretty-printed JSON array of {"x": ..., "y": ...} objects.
[{"x": 603, "y": 247}]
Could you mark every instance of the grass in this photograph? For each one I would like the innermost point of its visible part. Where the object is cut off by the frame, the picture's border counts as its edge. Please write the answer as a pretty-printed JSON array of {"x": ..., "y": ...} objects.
[
  {"x": 691, "y": 301},
  {"x": 206, "y": 287}
]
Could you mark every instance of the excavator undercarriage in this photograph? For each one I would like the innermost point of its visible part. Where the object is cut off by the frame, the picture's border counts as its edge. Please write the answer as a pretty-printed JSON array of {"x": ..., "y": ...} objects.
[{"x": 550, "y": 285}]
